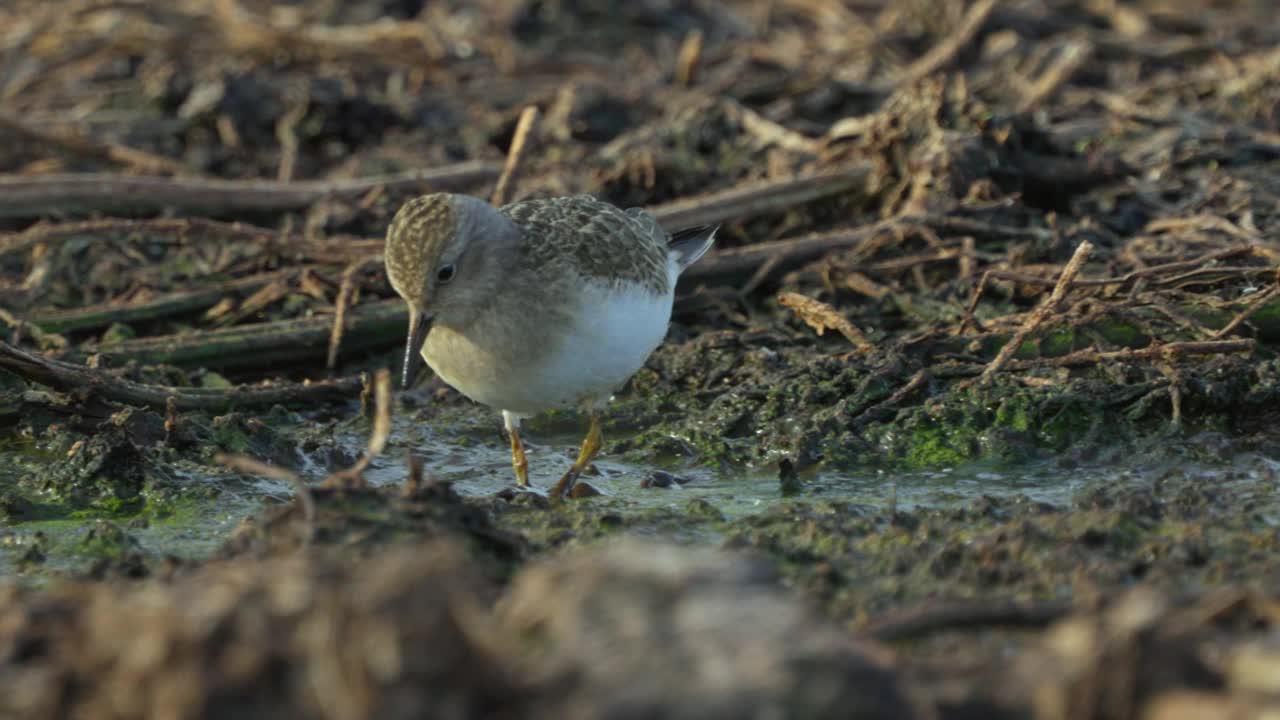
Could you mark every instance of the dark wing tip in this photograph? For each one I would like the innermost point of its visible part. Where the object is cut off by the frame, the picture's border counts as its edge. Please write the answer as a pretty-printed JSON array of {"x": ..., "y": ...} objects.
[{"x": 692, "y": 243}]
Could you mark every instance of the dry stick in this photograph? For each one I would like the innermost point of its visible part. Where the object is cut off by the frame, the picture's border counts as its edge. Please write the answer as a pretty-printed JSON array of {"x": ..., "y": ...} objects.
[
  {"x": 184, "y": 231},
  {"x": 103, "y": 314},
  {"x": 345, "y": 292},
  {"x": 946, "y": 51},
  {"x": 354, "y": 475},
  {"x": 822, "y": 317},
  {"x": 1245, "y": 314},
  {"x": 24, "y": 196},
  {"x": 374, "y": 324},
  {"x": 738, "y": 202},
  {"x": 286, "y": 134},
  {"x": 1141, "y": 273},
  {"x": 250, "y": 466},
  {"x": 70, "y": 376},
  {"x": 967, "y": 251},
  {"x": 409, "y": 43},
  {"x": 925, "y": 621},
  {"x": 728, "y": 265},
  {"x": 170, "y": 418},
  {"x": 1040, "y": 314},
  {"x": 875, "y": 412},
  {"x": 1070, "y": 58},
  {"x": 1146, "y": 272},
  {"x": 757, "y": 198},
  {"x": 412, "y": 481},
  {"x": 687, "y": 59},
  {"x": 1211, "y": 274},
  {"x": 506, "y": 182},
  {"x": 978, "y": 291},
  {"x": 1091, "y": 356},
  {"x": 977, "y": 228},
  {"x": 1175, "y": 395},
  {"x": 46, "y": 340},
  {"x": 1152, "y": 352},
  {"x": 908, "y": 262},
  {"x": 78, "y": 144}
]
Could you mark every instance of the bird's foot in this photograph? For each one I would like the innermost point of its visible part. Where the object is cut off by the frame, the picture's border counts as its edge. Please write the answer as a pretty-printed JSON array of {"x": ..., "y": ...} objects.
[{"x": 568, "y": 485}]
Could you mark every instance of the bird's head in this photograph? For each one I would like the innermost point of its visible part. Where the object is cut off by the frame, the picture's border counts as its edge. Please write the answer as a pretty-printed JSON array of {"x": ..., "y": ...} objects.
[{"x": 445, "y": 256}]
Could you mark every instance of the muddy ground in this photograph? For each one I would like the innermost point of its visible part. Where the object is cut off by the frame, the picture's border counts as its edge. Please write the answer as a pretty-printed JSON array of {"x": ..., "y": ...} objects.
[{"x": 970, "y": 414}]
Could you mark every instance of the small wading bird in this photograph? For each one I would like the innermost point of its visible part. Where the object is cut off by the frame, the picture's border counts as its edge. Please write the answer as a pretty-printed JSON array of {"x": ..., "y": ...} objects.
[{"x": 537, "y": 305}]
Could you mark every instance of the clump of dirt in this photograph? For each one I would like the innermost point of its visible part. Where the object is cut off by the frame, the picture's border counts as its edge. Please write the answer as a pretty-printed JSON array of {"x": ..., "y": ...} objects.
[
  {"x": 646, "y": 630},
  {"x": 361, "y": 521},
  {"x": 627, "y": 631},
  {"x": 259, "y": 639}
]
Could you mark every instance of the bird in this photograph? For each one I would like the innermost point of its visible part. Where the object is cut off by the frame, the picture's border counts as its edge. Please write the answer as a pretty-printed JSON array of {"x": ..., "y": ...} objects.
[{"x": 538, "y": 305}]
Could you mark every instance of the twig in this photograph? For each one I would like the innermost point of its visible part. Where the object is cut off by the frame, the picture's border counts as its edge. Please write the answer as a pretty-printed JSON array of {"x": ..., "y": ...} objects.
[
  {"x": 946, "y": 51},
  {"x": 413, "y": 480},
  {"x": 687, "y": 59},
  {"x": 864, "y": 285},
  {"x": 345, "y": 292},
  {"x": 506, "y": 182},
  {"x": 265, "y": 296},
  {"x": 1151, "y": 352},
  {"x": 339, "y": 249},
  {"x": 170, "y": 418},
  {"x": 263, "y": 344},
  {"x": 104, "y": 314},
  {"x": 249, "y": 466},
  {"x": 967, "y": 319},
  {"x": 1175, "y": 395},
  {"x": 1193, "y": 264},
  {"x": 23, "y": 196},
  {"x": 287, "y": 135},
  {"x": 1258, "y": 302},
  {"x": 966, "y": 226},
  {"x": 45, "y": 339},
  {"x": 399, "y": 42},
  {"x": 73, "y": 142},
  {"x": 822, "y": 317},
  {"x": 1091, "y": 356},
  {"x": 354, "y": 475},
  {"x": 70, "y": 376},
  {"x": 1040, "y": 314},
  {"x": 732, "y": 264},
  {"x": 1070, "y": 57},
  {"x": 875, "y": 412},
  {"x": 967, "y": 251},
  {"x": 929, "y": 620},
  {"x": 758, "y": 198}
]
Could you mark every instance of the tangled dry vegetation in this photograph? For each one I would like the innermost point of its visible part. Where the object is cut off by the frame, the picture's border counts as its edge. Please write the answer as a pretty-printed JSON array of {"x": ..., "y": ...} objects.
[{"x": 952, "y": 230}]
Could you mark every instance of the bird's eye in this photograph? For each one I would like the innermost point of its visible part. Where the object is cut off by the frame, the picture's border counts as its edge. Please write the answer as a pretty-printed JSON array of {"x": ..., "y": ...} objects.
[{"x": 446, "y": 273}]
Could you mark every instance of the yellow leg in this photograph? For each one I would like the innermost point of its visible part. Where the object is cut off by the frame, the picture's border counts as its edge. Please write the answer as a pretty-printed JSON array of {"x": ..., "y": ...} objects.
[
  {"x": 519, "y": 462},
  {"x": 590, "y": 448}
]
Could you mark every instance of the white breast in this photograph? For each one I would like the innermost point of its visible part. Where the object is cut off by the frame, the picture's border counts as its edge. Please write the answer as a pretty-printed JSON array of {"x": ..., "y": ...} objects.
[{"x": 584, "y": 356}]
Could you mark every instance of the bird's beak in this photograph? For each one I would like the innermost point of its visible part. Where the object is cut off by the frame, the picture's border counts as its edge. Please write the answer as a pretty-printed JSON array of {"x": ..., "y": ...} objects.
[{"x": 419, "y": 326}]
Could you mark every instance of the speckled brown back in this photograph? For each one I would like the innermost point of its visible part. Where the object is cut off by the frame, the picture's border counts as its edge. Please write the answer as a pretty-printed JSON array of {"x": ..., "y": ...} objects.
[{"x": 593, "y": 239}]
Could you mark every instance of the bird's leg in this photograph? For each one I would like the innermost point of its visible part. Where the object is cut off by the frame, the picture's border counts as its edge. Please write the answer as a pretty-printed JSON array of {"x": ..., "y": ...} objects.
[
  {"x": 519, "y": 462},
  {"x": 590, "y": 448}
]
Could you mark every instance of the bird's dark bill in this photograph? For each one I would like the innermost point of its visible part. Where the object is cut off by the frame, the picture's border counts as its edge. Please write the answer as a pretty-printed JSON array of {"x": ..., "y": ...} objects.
[{"x": 418, "y": 329}]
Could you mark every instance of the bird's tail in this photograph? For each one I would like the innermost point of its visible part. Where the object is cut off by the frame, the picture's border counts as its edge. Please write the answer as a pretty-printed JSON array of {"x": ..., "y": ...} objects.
[{"x": 691, "y": 244}]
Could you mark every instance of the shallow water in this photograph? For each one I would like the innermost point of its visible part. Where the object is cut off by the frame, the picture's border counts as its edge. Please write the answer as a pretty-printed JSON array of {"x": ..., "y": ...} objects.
[{"x": 468, "y": 450}]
